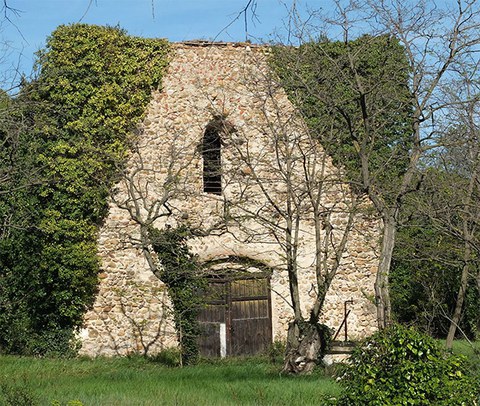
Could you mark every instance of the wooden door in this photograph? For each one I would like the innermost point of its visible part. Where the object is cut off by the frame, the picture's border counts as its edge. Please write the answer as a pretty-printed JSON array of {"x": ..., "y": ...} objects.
[
  {"x": 237, "y": 318},
  {"x": 211, "y": 318}
]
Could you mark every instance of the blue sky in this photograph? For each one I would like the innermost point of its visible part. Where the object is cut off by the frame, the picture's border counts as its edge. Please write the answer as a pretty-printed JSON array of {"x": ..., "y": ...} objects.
[{"x": 176, "y": 20}]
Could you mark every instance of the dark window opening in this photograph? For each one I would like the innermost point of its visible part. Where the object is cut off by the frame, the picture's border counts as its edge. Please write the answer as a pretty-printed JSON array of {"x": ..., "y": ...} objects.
[{"x": 212, "y": 165}]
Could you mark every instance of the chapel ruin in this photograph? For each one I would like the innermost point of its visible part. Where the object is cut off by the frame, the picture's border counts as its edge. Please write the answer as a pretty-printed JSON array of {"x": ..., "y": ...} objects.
[{"x": 223, "y": 96}]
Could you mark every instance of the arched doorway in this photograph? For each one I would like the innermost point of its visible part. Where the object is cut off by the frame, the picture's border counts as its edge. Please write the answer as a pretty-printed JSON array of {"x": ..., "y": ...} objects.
[{"x": 237, "y": 317}]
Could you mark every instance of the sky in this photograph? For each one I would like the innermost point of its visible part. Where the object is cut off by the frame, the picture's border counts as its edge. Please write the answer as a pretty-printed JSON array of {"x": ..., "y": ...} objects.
[{"x": 29, "y": 24}]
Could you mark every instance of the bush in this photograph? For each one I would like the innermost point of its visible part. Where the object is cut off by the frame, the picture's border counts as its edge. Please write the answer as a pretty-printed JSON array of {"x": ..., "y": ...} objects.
[
  {"x": 400, "y": 366},
  {"x": 276, "y": 351},
  {"x": 54, "y": 343},
  {"x": 17, "y": 395},
  {"x": 20, "y": 338},
  {"x": 169, "y": 357}
]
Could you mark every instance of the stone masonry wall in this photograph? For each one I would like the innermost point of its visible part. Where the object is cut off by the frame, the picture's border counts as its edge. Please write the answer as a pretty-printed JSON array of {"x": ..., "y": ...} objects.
[{"x": 163, "y": 185}]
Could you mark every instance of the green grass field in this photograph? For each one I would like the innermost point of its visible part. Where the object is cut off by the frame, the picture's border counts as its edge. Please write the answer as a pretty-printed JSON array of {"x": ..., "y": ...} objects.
[{"x": 137, "y": 381}]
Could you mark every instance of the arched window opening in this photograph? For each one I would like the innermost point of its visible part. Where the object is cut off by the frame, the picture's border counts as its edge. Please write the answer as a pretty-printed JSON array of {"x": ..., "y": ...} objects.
[{"x": 212, "y": 160}]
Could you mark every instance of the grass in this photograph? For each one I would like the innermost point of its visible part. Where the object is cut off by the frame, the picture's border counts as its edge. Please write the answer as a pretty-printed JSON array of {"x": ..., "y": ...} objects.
[
  {"x": 138, "y": 381},
  {"x": 471, "y": 350}
]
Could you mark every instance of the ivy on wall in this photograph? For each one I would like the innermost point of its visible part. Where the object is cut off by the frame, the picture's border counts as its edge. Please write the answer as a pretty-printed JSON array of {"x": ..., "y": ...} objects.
[
  {"x": 91, "y": 90},
  {"x": 183, "y": 276},
  {"x": 323, "y": 80}
]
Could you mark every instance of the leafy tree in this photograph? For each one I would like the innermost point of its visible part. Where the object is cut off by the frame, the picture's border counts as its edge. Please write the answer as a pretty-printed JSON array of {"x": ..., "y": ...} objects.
[
  {"x": 92, "y": 86},
  {"x": 453, "y": 202},
  {"x": 446, "y": 206},
  {"x": 426, "y": 269}
]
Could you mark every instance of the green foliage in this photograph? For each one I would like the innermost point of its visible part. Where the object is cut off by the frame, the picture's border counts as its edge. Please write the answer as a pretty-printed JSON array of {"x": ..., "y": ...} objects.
[
  {"x": 425, "y": 277},
  {"x": 276, "y": 351},
  {"x": 81, "y": 113},
  {"x": 170, "y": 357},
  {"x": 184, "y": 280},
  {"x": 429, "y": 257},
  {"x": 355, "y": 99},
  {"x": 17, "y": 395},
  {"x": 400, "y": 366}
]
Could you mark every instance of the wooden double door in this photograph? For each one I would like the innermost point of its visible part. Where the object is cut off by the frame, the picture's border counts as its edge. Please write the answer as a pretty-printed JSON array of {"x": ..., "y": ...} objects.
[{"x": 236, "y": 319}]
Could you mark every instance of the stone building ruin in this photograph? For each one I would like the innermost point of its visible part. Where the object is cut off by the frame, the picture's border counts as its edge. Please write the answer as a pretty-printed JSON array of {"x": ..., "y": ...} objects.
[{"x": 223, "y": 96}]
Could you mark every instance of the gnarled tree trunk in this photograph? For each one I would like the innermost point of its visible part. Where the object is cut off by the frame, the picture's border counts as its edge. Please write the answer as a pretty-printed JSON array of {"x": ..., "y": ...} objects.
[{"x": 306, "y": 345}]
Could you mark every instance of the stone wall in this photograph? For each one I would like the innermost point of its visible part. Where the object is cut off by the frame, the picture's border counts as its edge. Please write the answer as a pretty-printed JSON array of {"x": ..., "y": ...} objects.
[{"x": 267, "y": 155}]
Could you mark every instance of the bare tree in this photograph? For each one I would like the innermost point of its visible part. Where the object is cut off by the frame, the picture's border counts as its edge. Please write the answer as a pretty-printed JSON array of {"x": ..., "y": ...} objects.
[
  {"x": 435, "y": 41},
  {"x": 247, "y": 13},
  {"x": 449, "y": 197},
  {"x": 148, "y": 189},
  {"x": 285, "y": 193}
]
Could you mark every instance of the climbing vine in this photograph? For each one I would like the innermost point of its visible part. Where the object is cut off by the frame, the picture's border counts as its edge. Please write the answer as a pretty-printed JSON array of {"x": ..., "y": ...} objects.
[
  {"x": 184, "y": 279},
  {"x": 90, "y": 92},
  {"x": 320, "y": 78}
]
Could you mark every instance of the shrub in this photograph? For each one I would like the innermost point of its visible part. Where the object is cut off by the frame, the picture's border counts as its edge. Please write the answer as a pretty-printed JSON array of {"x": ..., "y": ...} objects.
[
  {"x": 17, "y": 395},
  {"x": 276, "y": 351},
  {"x": 169, "y": 357},
  {"x": 400, "y": 366},
  {"x": 56, "y": 342}
]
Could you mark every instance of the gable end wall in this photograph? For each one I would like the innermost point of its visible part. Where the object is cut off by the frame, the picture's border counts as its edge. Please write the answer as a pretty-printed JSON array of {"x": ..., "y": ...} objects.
[{"x": 132, "y": 313}]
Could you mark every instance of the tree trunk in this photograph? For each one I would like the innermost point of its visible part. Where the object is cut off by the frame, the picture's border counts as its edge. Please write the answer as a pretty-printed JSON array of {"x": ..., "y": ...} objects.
[
  {"x": 306, "y": 344},
  {"x": 382, "y": 293},
  {"x": 478, "y": 288},
  {"x": 478, "y": 282},
  {"x": 462, "y": 291},
  {"x": 467, "y": 233}
]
